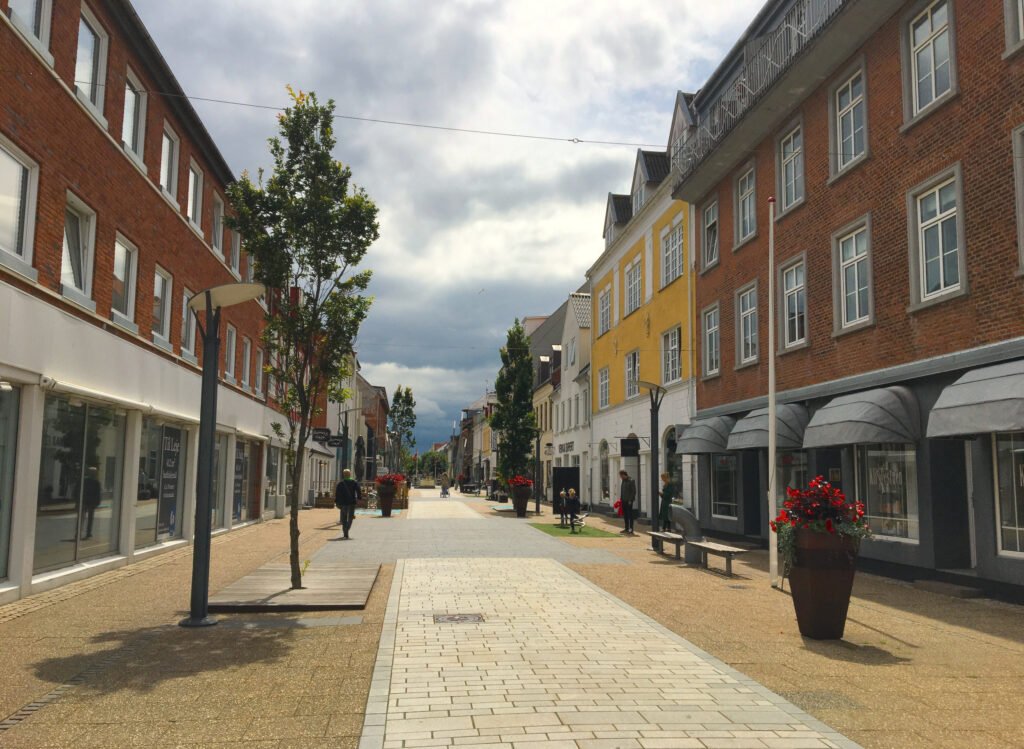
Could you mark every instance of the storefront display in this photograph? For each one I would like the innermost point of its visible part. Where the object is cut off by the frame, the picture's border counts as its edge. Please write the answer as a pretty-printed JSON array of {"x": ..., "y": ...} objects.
[
  {"x": 790, "y": 473},
  {"x": 8, "y": 438},
  {"x": 161, "y": 483},
  {"x": 887, "y": 485},
  {"x": 724, "y": 485},
  {"x": 220, "y": 461},
  {"x": 1010, "y": 486}
]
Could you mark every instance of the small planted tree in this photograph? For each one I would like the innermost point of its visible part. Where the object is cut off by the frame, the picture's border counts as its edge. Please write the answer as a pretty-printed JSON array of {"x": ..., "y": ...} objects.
[
  {"x": 513, "y": 414},
  {"x": 307, "y": 229},
  {"x": 403, "y": 421}
]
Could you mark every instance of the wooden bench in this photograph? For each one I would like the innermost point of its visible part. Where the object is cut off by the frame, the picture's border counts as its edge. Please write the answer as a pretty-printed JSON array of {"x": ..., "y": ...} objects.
[
  {"x": 665, "y": 536},
  {"x": 471, "y": 488},
  {"x": 711, "y": 547}
]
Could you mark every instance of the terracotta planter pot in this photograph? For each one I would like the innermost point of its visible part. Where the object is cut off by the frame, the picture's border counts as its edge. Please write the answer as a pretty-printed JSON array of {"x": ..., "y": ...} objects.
[
  {"x": 520, "y": 498},
  {"x": 386, "y": 498},
  {"x": 821, "y": 582}
]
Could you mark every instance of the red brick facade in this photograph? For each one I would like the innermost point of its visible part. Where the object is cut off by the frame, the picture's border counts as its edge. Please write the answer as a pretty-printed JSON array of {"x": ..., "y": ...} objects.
[{"x": 973, "y": 129}]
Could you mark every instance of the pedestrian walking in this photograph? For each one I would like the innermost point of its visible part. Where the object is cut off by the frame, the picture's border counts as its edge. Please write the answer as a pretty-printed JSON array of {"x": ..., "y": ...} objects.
[
  {"x": 627, "y": 493},
  {"x": 668, "y": 495},
  {"x": 574, "y": 509},
  {"x": 445, "y": 484},
  {"x": 563, "y": 515},
  {"x": 346, "y": 494}
]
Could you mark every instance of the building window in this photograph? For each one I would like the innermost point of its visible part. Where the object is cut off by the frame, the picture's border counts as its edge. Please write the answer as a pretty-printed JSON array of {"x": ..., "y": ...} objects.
[
  {"x": 710, "y": 235},
  {"x": 158, "y": 506},
  {"x": 850, "y": 122},
  {"x": 188, "y": 325},
  {"x": 937, "y": 241},
  {"x": 246, "y": 351},
  {"x": 724, "y": 486},
  {"x": 928, "y": 48},
  {"x": 32, "y": 17},
  {"x": 1018, "y": 172},
  {"x": 19, "y": 186},
  {"x": 633, "y": 286},
  {"x": 229, "y": 354},
  {"x": 794, "y": 305},
  {"x": 576, "y": 410},
  {"x": 712, "y": 354},
  {"x": 257, "y": 379},
  {"x": 169, "y": 162},
  {"x": 1009, "y": 450},
  {"x": 122, "y": 298},
  {"x": 91, "y": 61},
  {"x": 887, "y": 485},
  {"x": 670, "y": 369},
  {"x": 632, "y": 374},
  {"x": 603, "y": 395},
  {"x": 572, "y": 352},
  {"x": 9, "y": 407},
  {"x": 78, "y": 250},
  {"x": 586, "y": 407},
  {"x": 133, "y": 127},
  {"x": 791, "y": 168},
  {"x": 604, "y": 311},
  {"x": 746, "y": 317},
  {"x": 217, "y": 236},
  {"x": 854, "y": 277},
  {"x": 746, "y": 222},
  {"x": 672, "y": 255},
  {"x": 638, "y": 198},
  {"x": 162, "y": 305},
  {"x": 1014, "y": 25},
  {"x": 194, "y": 209},
  {"x": 236, "y": 251}
]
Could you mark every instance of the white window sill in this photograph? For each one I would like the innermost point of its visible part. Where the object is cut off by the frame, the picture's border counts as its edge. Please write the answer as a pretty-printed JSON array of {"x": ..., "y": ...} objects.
[
  {"x": 894, "y": 539},
  {"x": 91, "y": 108},
  {"x": 137, "y": 158},
  {"x": 746, "y": 240},
  {"x": 1010, "y": 51},
  {"x": 848, "y": 167},
  {"x": 123, "y": 322},
  {"x": 196, "y": 229},
  {"x": 853, "y": 327},
  {"x": 15, "y": 264},
  {"x": 229, "y": 378},
  {"x": 939, "y": 298},
  {"x": 785, "y": 211},
  {"x": 31, "y": 39},
  {"x": 189, "y": 357},
  {"x": 77, "y": 298},
  {"x": 162, "y": 342},
  {"x": 745, "y": 364},
  {"x": 170, "y": 198},
  {"x": 932, "y": 107},
  {"x": 798, "y": 346}
]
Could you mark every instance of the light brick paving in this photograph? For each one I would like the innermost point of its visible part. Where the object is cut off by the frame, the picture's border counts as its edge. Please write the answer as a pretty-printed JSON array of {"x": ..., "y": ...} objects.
[
  {"x": 524, "y": 677},
  {"x": 438, "y": 509}
]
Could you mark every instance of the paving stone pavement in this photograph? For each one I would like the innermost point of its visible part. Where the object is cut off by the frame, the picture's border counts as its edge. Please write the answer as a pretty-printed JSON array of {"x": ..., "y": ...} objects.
[{"x": 522, "y": 678}]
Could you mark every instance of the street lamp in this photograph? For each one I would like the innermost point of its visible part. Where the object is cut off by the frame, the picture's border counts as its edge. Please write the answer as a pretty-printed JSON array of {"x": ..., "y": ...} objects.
[
  {"x": 657, "y": 393},
  {"x": 211, "y": 301},
  {"x": 536, "y": 471}
]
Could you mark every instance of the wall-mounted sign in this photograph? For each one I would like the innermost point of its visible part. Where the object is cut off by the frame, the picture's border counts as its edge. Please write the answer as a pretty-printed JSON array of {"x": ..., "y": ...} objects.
[
  {"x": 566, "y": 447},
  {"x": 629, "y": 447},
  {"x": 335, "y": 441},
  {"x": 320, "y": 434}
]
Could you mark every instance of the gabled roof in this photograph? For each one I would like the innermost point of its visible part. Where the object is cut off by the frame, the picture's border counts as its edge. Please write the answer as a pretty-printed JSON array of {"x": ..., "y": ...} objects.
[
  {"x": 580, "y": 305},
  {"x": 682, "y": 114},
  {"x": 618, "y": 211},
  {"x": 653, "y": 165}
]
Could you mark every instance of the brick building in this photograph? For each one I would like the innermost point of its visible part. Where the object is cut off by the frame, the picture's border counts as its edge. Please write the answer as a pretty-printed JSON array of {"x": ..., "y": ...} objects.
[
  {"x": 112, "y": 205},
  {"x": 891, "y": 135}
]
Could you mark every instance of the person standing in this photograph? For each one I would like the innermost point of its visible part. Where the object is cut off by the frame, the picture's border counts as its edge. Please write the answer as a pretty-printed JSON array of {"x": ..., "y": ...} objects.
[
  {"x": 346, "y": 494},
  {"x": 574, "y": 509},
  {"x": 92, "y": 493},
  {"x": 445, "y": 484},
  {"x": 627, "y": 493},
  {"x": 668, "y": 495}
]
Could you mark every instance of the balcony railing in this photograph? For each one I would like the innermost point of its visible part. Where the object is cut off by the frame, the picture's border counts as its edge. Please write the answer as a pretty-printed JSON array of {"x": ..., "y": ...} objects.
[{"x": 767, "y": 58}]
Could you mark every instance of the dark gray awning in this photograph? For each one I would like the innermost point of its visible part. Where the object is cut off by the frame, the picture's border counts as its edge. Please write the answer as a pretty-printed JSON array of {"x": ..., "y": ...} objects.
[
  {"x": 706, "y": 436},
  {"x": 883, "y": 415},
  {"x": 752, "y": 430},
  {"x": 987, "y": 399}
]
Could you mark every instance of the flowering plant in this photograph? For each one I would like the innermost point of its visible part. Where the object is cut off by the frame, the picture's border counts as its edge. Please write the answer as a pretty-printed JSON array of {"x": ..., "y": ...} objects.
[
  {"x": 390, "y": 479},
  {"x": 821, "y": 508},
  {"x": 519, "y": 480},
  {"x": 462, "y": 477}
]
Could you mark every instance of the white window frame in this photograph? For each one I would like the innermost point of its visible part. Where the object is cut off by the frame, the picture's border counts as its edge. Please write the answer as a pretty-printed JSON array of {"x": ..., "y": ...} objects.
[
  {"x": 603, "y": 388},
  {"x": 604, "y": 311},
  {"x": 257, "y": 379},
  {"x": 840, "y": 325},
  {"x": 246, "y": 360},
  {"x": 95, "y": 107},
  {"x": 747, "y": 339},
  {"x": 711, "y": 323},
  {"x": 671, "y": 361},
  {"x": 38, "y": 38},
  {"x": 19, "y": 258},
  {"x": 236, "y": 252},
  {"x": 634, "y": 286},
  {"x": 136, "y": 152},
  {"x": 230, "y": 340},
  {"x": 126, "y": 319},
  {"x": 194, "y": 204},
  {"x": 710, "y": 249},
  {"x": 217, "y": 224},
  {"x": 638, "y": 198},
  {"x": 915, "y": 236},
  {"x": 1018, "y": 176},
  {"x": 586, "y": 407},
  {"x": 798, "y": 291},
  {"x": 162, "y": 337},
  {"x": 632, "y": 382},
  {"x": 170, "y": 189},
  {"x": 87, "y": 230},
  {"x": 1014, "y": 10},
  {"x": 840, "y": 162},
  {"x": 745, "y": 193},
  {"x": 1000, "y": 551},
  {"x": 913, "y": 512},
  {"x": 913, "y": 111},
  {"x": 671, "y": 254},
  {"x": 791, "y": 169},
  {"x": 188, "y": 326}
]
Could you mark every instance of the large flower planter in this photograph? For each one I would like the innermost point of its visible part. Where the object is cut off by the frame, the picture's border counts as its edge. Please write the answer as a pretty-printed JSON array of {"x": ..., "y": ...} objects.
[
  {"x": 386, "y": 498},
  {"x": 520, "y": 498},
  {"x": 821, "y": 581}
]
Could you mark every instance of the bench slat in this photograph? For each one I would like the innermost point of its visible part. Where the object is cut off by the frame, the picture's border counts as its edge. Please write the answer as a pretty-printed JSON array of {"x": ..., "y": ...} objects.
[{"x": 716, "y": 548}]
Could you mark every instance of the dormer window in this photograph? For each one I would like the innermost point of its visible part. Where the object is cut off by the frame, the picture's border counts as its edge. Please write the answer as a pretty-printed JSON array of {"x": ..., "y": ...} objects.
[{"x": 638, "y": 198}]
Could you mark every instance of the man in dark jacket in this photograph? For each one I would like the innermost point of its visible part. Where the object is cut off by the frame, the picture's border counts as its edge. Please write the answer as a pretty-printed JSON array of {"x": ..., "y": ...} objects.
[
  {"x": 346, "y": 494},
  {"x": 627, "y": 493}
]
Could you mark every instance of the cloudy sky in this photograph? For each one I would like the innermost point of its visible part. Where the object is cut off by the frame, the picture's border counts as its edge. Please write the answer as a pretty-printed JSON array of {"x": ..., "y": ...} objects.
[{"x": 476, "y": 230}]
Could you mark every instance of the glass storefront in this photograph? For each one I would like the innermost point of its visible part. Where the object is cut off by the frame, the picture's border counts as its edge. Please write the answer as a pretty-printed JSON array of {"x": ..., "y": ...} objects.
[
  {"x": 1010, "y": 487},
  {"x": 8, "y": 441},
  {"x": 80, "y": 482},
  {"x": 273, "y": 474},
  {"x": 887, "y": 485},
  {"x": 724, "y": 485},
  {"x": 242, "y": 482},
  {"x": 790, "y": 473},
  {"x": 161, "y": 484},
  {"x": 220, "y": 460}
]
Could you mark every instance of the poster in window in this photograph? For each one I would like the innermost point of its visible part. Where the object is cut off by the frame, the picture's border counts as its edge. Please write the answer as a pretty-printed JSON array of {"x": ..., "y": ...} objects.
[{"x": 170, "y": 463}]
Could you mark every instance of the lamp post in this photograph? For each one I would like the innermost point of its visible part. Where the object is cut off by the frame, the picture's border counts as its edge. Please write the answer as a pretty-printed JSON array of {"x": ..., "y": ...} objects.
[
  {"x": 211, "y": 301},
  {"x": 536, "y": 472},
  {"x": 657, "y": 394},
  {"x": 773, "y": 545}
]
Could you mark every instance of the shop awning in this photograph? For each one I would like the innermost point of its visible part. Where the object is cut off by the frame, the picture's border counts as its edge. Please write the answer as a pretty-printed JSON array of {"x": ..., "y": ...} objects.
[
  {"x": 706, "y": 436},
  {"x": 883, "y": 415},
  {"x": 987, "y": 399},
  {"x": 751, "y": 431}
]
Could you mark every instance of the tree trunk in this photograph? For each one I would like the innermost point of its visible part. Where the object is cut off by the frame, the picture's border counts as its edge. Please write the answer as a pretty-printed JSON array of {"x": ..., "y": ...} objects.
[{"x": 293, "y": 554}]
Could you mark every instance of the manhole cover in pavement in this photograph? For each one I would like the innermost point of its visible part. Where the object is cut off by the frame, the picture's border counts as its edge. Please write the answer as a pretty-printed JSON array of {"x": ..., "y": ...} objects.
[{"x": 457, "y": 618}]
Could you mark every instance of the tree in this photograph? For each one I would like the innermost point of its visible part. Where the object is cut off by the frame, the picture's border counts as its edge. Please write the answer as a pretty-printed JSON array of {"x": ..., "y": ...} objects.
[
  {"x": 403, "y": 421},
  {"x": 513, "y": 414},
  {"x": 433, "y": 463},
  {"x": 307, "y": 229}
]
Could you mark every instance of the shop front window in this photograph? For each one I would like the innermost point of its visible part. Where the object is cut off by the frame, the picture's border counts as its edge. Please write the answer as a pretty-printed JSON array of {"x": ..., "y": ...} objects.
[
  {"x": 887, "y": 485},
  {"x": 1010, "y": 485},
  {"x": 674, "y": 463},
  {"x": 240, "y": 487},
  {"x": 790, "y": 473},
  {"x": 80, "y": 479},
  {"x": 220, "y": 460},
  {"x": 273, "y": 468},
  {"x": 8, "y": 440},
  {"x": 161, "y": 483},
  {"x": 724, "y": 483},
  {"x": 605, "y": 474}
]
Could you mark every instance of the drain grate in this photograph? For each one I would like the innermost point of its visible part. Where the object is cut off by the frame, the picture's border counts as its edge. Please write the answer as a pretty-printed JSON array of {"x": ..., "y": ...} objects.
[{"x": 457, "y": 618}]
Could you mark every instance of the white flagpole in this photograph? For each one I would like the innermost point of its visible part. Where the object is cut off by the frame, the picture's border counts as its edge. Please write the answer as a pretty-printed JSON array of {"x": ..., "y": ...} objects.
[{"x": 773, "y": 545}]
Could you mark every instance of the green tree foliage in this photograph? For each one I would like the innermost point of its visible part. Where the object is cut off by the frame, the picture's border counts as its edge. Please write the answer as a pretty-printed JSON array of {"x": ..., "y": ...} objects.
[
  {"x": 433, "y": 463},
  {"x": 307, "y": 229},
  {"x": 402, "y": 418},
  {"x": 513, "y": 413}
]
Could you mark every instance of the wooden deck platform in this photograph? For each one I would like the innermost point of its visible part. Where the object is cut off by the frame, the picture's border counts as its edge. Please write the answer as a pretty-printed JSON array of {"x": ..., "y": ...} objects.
[{"x": 325, "y": 588}]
